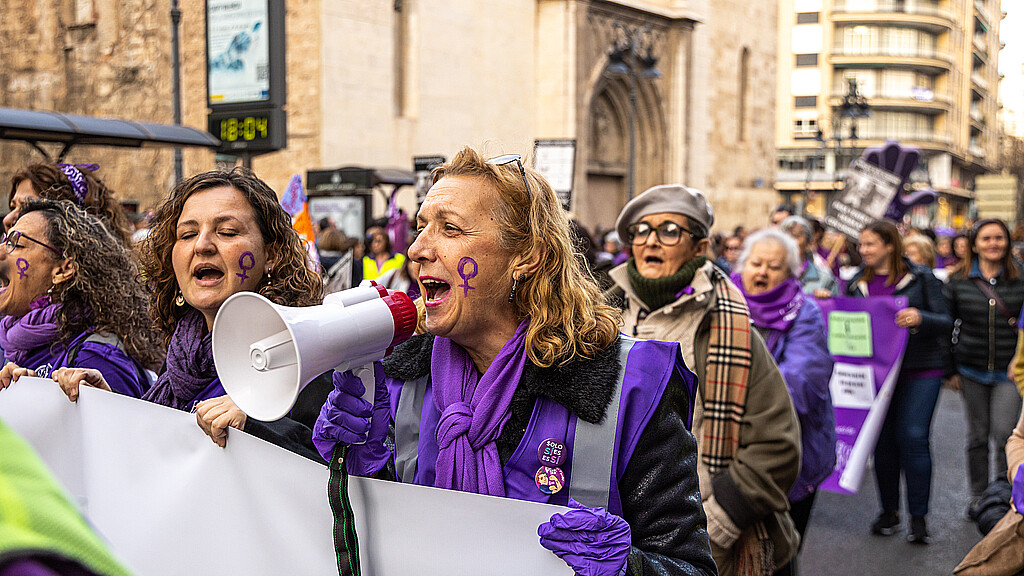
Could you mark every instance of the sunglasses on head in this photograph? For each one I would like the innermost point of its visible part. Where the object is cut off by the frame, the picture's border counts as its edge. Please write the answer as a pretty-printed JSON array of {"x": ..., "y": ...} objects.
[{"x": 508, "y": 159}]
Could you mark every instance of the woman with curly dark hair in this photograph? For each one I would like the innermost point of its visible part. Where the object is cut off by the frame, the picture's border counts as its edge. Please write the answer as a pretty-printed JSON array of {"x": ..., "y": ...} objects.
[
  {"x": 76, "y": 183},
  {"x": 217, "y": 234},
  {"x": 71, "y": 299}
]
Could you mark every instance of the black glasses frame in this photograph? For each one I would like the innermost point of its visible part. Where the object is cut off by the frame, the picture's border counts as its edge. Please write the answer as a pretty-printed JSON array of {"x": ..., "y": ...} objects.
[
  {"x": 10, "y": 239},
  {"x": 518, "y": 159},
  {"x": 634, "y": 236}
]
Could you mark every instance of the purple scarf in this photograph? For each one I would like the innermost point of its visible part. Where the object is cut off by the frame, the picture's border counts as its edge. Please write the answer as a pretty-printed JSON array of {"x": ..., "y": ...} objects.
[
  {"x": 190, "y": 367},
  {"x": 777, "y": 308},
  {"x": 474, "y": 410},
  {"x": 24, "y": 334}
]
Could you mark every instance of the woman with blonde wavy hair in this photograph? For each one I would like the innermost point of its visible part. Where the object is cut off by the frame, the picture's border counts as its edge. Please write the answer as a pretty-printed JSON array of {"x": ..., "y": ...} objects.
[{"x": 522, "y": 387}]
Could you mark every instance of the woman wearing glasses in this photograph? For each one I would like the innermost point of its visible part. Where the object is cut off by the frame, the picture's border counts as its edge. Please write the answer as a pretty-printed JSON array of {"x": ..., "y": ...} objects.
[
  {"x": 70, "y": 299},
  {"x": 521, "y": 386},
  {"x": 76, "y": 183},
  {"x": 747, "y": 433}
]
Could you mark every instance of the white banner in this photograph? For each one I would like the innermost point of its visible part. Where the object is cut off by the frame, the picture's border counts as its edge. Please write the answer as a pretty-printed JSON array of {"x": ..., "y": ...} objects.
[{"x": 169, "y": 501}]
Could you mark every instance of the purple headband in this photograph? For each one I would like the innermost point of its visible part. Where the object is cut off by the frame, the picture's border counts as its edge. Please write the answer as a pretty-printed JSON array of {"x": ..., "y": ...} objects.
[{"x": 78, "y": 184}]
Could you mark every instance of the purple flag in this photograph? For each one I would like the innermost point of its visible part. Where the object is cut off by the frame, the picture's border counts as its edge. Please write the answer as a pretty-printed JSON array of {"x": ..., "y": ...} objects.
[
  {"x": 867, "y": 347},
  {"x": 294, "y": 198}
]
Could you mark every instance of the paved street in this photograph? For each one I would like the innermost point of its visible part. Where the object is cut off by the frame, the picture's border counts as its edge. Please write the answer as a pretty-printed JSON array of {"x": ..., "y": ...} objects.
[{"x": 838, "y": 539}]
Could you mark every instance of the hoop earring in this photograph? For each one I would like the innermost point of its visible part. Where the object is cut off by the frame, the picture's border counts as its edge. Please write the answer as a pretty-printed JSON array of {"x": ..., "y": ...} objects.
[
  {"x": 515, "y": 283},
  {"x": 179, "y": 300}
]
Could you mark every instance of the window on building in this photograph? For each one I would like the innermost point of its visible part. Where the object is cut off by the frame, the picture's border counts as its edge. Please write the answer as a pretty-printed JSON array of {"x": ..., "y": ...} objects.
[
  {"x": 805, "y": 101},
  {"x": 807, "y": 18},
  {"x": 805, "y": 128},
  {"x": 806, "y": 59}
]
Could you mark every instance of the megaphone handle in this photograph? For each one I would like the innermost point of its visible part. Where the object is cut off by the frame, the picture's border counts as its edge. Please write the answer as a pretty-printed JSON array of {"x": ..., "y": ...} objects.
[{"x": 365, "y": 373}]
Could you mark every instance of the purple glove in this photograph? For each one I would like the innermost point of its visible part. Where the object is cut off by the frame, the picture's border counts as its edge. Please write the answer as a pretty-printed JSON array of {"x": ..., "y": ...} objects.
[
  {"x": 592, "y": 541},
  {"x": 1018, "y": 490},
  {"x": 346, "y": 419}
]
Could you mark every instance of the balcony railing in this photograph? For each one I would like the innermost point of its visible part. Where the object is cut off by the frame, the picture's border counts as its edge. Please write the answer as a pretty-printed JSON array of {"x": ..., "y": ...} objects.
[
  {"x": 982, "y": 12},
  {"x": 882, "y": 133},
  {"x": 894, "y": 51},
  {"x": 889, "y": 7},
  {"x": 976, "y": 150},
  {"x": 922, "y": 95},
  {"x": 979, "y": 80}
]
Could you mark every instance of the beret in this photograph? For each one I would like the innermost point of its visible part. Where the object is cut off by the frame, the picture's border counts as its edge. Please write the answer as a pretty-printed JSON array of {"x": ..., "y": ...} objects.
[{"x": 674, "y": 198}]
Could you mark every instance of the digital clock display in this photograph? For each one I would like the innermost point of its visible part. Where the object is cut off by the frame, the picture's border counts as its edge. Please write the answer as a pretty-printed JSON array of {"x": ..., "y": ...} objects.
[
  {"x": 252, "y": 130},
  {"x": 247, "y": 128}
]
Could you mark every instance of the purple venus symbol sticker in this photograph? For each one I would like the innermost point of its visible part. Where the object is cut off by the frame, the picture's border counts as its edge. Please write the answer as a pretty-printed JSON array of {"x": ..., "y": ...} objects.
[
  {"x": 22, "y": 267},
  {"x": 245, "y": 265},
  {"x": 466, "y": 260}
]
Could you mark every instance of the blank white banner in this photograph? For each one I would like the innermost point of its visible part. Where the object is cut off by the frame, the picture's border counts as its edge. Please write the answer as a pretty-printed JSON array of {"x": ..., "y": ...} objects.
[{"x": 169, "y": 501}]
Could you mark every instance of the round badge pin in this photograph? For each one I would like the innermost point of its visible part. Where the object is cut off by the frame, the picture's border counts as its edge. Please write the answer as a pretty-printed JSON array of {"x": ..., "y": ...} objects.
[
  {"x": 550, "y": 480},
  {"x": 551, "y": 452}
]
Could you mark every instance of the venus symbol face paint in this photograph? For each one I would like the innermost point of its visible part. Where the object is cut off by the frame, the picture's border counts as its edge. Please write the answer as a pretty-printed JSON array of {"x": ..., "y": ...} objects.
[
  {"x": 246, "y": 262},
  {"x": 22, "y": 265},
  {"x": 466, "y": 276}
]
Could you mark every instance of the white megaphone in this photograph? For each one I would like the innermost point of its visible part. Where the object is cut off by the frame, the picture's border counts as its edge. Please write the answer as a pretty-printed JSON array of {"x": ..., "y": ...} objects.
[{"x": 265, "y": 353}]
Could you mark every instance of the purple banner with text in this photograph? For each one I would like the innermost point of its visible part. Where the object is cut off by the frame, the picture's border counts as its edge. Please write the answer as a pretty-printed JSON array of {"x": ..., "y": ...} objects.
[{"x": 867, "y": 347}]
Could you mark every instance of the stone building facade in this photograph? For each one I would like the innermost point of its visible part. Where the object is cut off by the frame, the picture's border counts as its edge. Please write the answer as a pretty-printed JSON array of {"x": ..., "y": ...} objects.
[{"x": 375, "y": 83}]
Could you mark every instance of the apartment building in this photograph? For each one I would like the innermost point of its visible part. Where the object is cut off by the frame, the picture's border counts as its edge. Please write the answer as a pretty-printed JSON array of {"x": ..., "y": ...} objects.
[{"x": 857, "y": 73}]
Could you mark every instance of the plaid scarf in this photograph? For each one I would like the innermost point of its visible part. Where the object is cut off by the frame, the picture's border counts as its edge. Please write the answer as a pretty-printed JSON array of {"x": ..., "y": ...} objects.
[{"x": 725, "y": 399}]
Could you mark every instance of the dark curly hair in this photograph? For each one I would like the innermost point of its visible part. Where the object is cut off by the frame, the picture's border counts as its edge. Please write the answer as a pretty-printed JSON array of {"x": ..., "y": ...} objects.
[
  {"x": 51, "y": 184},
  {"x": 292, "y": 282},
  {"x": 104, "y": 294}
]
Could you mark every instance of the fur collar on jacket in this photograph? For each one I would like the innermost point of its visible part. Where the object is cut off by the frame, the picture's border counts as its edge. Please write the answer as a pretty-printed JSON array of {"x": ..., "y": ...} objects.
[{"x": 584, "y": 387}]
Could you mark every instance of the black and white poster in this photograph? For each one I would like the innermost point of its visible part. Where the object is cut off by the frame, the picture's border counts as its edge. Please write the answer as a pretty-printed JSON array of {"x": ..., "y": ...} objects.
[{"x": 864, "y": 199}]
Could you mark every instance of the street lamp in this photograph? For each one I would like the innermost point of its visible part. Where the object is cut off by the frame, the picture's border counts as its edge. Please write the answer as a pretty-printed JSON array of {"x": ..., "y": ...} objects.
[
  {"x": 853, "y": 106},
  {"x": 632, "y": 56}
]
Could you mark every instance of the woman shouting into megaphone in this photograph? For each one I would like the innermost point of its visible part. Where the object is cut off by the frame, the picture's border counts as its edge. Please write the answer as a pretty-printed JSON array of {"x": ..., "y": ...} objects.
[{"x": 522, "y": 387}]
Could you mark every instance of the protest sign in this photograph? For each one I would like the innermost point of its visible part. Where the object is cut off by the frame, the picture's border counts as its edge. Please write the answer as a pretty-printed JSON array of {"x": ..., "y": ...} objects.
[
  {"x": 866, "y": 195},
  {"x": 169, "y": 501},
  {"x": 867, "y": 347}
]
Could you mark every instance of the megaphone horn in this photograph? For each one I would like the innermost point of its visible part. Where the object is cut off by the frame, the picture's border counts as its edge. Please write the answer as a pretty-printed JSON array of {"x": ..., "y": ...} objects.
[{"x": 266, "y": 353}]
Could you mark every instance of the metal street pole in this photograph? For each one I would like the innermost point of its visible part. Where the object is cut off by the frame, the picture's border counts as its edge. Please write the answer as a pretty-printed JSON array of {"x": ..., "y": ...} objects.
[{"x": 176, "y": 81}]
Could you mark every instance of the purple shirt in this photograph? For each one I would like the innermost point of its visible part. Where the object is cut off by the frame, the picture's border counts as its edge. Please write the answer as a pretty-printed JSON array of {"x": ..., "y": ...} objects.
[{"x": 877, "y": 287}]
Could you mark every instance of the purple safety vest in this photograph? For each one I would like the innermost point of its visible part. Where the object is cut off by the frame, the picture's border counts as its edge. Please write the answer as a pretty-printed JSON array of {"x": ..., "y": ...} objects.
[{"x": 596, "y": 454}]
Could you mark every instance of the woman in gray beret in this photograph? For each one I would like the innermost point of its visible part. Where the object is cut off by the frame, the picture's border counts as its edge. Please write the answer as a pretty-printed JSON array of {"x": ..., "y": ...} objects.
[{"x": 747, "y": 433}]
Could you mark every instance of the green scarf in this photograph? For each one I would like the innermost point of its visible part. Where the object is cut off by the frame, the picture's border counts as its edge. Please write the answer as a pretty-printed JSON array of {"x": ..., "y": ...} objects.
[{"x": 657, "y": 292}]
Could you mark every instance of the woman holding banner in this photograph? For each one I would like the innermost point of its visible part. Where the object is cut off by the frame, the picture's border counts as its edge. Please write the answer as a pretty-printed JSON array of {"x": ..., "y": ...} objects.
[
  {"x": 904, "y": 443},
  {"x": 71, "y": 299},
  {"x": 522, "y": 387},
  {"x": 218, "y": 233},
  {"x": 985, "y": 295},
  {"x": 794, "y": 332}
]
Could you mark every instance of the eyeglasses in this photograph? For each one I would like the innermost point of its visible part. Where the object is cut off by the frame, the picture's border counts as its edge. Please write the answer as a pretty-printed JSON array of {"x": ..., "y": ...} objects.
[
  {"x": 12, "y": 240},
  {"x": 668, "y": 233},
  {"x": 508, "y": 159}
]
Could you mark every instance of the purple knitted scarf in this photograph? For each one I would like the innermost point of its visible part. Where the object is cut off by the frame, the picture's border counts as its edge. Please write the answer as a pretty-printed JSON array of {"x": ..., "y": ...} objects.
[
  {"x": 19, "y": 336},
  {"x": 777, "y": 308},
  {"x": 190, "y": 367},
  {"x": 474, "y": 409}
]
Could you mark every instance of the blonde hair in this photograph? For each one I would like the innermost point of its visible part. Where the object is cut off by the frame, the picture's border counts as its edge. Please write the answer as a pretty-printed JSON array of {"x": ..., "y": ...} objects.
[
  {"x": 568, "y": 316},
  {"x": 924, "y": 247}
]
